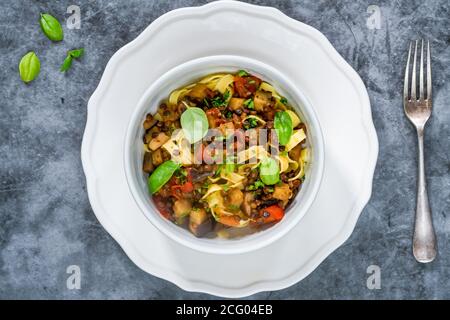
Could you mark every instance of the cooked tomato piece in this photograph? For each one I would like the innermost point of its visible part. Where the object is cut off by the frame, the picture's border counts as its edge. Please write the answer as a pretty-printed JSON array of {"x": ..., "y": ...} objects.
[
  {"x": 252, "y": 83},
  {"x": 271, "y": 214},
  {"x": 239, "y": 87},
  {"x": 246, "y": 86},
  {"x": 187, "y": 187},
  {"x": 214, "y": 117}
]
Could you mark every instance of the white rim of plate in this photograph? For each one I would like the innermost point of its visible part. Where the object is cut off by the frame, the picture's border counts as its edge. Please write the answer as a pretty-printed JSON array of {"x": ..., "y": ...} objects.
[{"x": 292, "y": 24}]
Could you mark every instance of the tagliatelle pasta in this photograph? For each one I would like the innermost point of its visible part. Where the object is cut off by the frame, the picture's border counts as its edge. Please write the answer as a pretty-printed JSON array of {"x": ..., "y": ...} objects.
[{"x": 213, "y": 156}]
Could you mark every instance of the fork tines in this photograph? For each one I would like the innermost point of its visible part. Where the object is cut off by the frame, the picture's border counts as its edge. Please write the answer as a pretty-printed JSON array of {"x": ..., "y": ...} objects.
[{"x": 411, "y": 95}]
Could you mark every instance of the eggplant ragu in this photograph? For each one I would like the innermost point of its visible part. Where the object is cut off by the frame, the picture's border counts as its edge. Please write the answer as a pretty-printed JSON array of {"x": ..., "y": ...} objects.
[{"x": 204, "y": 172}]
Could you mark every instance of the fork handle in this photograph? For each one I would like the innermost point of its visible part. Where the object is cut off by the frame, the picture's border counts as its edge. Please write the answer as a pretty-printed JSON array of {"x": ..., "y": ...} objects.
[{"x": 424, "y": 239}]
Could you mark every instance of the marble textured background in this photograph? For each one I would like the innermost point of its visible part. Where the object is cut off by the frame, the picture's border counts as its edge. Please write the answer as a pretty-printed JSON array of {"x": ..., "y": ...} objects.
[{"x": 46, "y": 222}]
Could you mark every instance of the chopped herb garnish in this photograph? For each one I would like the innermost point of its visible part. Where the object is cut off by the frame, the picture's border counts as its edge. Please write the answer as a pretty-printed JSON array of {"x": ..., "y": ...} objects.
[
  {"x": 205, "y": 101},
  {"x": 217, "y": 101},
  {"x": 226, "y": 95},
  {"x": 221, "y": 101},
  {"x": 249, "y": 104},
  {"x": 242, "y": 73},
  {"x": 283, "y": 100},
  {"x": 258, "y": 184},
  {"x": 228, "y": 114},
  {"x": 181, "y": 174},
  {"x": 250, "y": 123}
]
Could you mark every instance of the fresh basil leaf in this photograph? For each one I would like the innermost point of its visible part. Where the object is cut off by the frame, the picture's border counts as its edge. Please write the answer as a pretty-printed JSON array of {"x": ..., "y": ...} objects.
[
  {"x": 66, "y": 64},
  {"x": 29, "y": 67},
  {"x": 194, "y": 123},
  {"x": 283, "y": 127},
  {"x": 269, "y": 172},
  {"x": 161, "y": 175},
  {"x": 51, "y": 27},
  {"x": 76, "y": 53},
  {"x": 72, "y": 54}
]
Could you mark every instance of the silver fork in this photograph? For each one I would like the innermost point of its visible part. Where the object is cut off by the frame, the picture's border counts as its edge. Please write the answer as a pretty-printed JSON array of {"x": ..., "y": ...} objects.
[{"x": 418, "y": 111}]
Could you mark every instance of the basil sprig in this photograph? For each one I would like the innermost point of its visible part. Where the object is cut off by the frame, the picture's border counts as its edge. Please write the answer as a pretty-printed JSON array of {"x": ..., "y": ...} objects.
[
  {"x": 72, "y": 54},
  {"x": 269, "y": 172},
  {"x": 51, "y": 27},
  {"x": 194, "y": 123},
  {"x": 29, "y": 67},
  {"x": 283, "y": 127},
  {"x": 161, "y": 175}
]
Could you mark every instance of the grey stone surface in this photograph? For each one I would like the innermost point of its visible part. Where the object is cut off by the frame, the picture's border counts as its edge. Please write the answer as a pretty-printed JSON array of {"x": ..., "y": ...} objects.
[{"x": 46, "y": 222}]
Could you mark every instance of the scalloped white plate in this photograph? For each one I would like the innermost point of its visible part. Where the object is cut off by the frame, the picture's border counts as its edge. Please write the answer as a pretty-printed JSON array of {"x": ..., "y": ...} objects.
[{"x": 300, "y": 52}]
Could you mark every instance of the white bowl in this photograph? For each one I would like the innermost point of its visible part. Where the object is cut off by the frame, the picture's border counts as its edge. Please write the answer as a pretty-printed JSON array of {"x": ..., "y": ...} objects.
[{"x": 189, "y": 72}]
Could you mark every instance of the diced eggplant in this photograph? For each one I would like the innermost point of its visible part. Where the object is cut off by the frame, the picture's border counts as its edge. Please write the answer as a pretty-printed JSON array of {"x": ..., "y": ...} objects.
[
  {"x": 182, "y": 208},
  {"x": 236, "y": 103},
  {"x": 157, "y": 157},
  {"x": 157, "y": 142},
  {"x": 282, "y": 192},
  {"x": 198, "y": 216},
  {"x": 262, "y": 100},
  {"x": 248, "y": 198},
  {"x": 199, "y": 230},
  {"x": 199, "y": 222},
  {"x": 148, "y": 163},
  {"x": 148, "y": 137},
  {"x": 149, "y": 122},
  {"x": 235, "y": 197}
]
